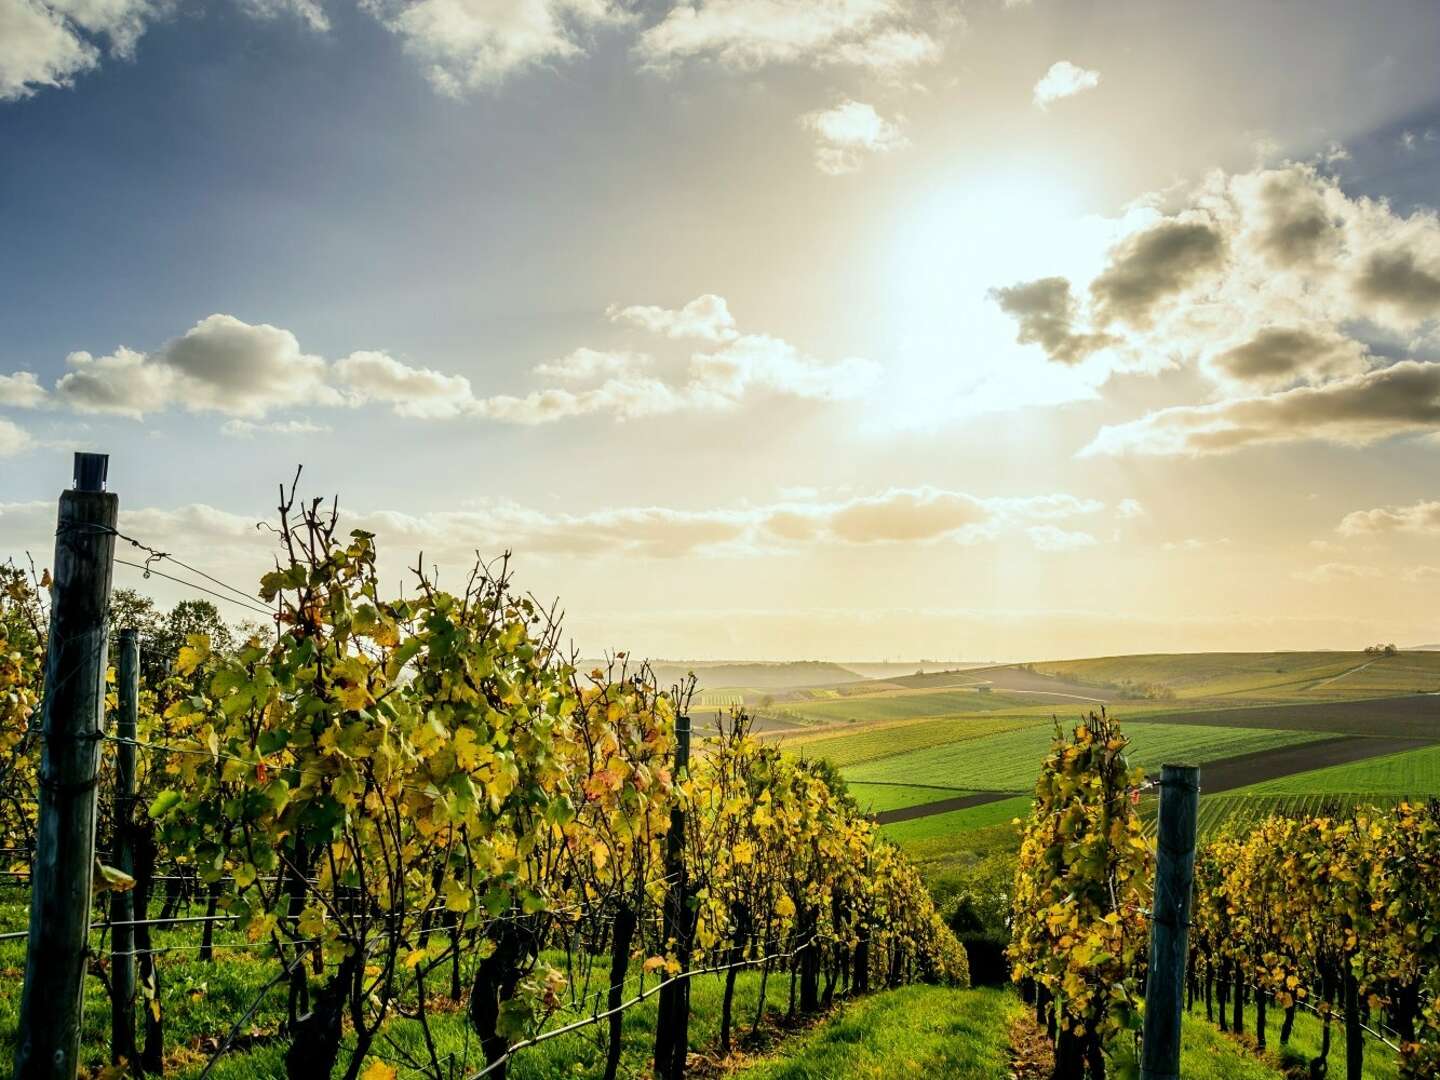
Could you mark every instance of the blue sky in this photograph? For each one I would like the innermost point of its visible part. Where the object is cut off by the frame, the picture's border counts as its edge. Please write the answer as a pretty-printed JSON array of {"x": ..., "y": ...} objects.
[{"x": 699, "y": 307}]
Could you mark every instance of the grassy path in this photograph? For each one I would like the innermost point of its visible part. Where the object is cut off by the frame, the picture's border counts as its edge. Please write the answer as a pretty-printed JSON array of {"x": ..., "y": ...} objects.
[
  {"x": 916, "y": 1031},
  {"x": 925, "y": 1031}
]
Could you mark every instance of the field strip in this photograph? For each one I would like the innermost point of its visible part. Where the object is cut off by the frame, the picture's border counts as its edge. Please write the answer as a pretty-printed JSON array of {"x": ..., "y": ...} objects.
[
  {"x": 962, "y": 802},
  {"x": 1224, "y": 774},
  {"x": 1337, "y": 678}
]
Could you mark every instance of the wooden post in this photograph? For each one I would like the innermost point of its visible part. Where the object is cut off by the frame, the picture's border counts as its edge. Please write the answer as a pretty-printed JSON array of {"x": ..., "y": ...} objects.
[
  {"x": 1170, "y": 922},
  {"x": 51, "y": 1003},
  {"x": 122, "y": 904},
  {"x": 672, "y": 1025}
]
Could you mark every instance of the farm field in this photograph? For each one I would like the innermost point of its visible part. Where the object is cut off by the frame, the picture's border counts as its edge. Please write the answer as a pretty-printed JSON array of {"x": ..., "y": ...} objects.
[
  {"x": 908, "y": 834},
  {"x": 1410, "y": 716},
  {"x": 877, "y": 798},
  {"x": 847, "y": 747},
  {"x": 1008, "y": 761},
  {"x": 1239, "y": 810},
  {"x": 1280, "y": 676},
  {"x": 1415, "y": 773}
]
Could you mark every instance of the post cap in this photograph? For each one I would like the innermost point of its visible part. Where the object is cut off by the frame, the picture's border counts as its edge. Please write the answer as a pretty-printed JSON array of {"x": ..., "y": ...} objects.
[{"x": 91, "y": 471}]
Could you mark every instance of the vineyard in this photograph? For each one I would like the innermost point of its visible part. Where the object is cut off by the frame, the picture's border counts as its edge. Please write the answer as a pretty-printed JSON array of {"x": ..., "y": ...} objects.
[
  {"x": 1292, "y": 910},
  {"x": 419, "y": 838}
]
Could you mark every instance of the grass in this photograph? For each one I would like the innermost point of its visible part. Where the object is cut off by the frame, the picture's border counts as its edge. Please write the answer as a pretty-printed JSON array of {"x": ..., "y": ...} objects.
[
  {"x": 964, "y": 1035},
  {"x": 889, "y": 739},
  {"x": 202, "y": 1000},
  {"x": 1010, "y": 760},
  {"x": 1414, "y": 772},
  {"x": 877, "y": 798},
  {"x": 953, "y": 825},
  {"x": 915, "y": 1031},
  {"x": 1380, "y": 1061}
]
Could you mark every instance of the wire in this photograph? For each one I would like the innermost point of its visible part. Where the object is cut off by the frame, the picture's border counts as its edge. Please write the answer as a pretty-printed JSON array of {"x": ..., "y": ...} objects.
[
  {"x": 577, "y": 1025},
  {"x": 148, "y": 570}
]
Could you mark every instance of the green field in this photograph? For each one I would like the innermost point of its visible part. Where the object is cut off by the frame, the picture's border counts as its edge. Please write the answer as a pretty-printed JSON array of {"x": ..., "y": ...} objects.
[
  {"x": 886, "y": 740},
  {"x": 955, "y": 823},
  {"x": 1009, "y": 761},
  {"x": 1415, "y": 773},
  {"x": 877, "y": 798},
  {"x": 1238, "y": 810}
]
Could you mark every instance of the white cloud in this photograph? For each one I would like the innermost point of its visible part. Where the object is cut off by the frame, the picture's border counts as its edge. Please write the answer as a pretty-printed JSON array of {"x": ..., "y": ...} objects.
[
  {"x": 13, "y": 439},
  {"x": 221, "y": 364},
  {"x": 412, "y": 391},
  {"x": 39, "y": 47},
  {"x": 1128, "y": 509},
  {"x": 1063, "y": 80},
  {"x": 883, "y": 35},
  {"x": 583, "y": 363},
  {"x": 248, "y": 429},
  {"x": 1401, "y": 399},
  {"x": 310, "y": 12},
  {"x": 1421, "y": 517},
  {"x": 471, "y": 45},
  {"x": 1052, "y": 538},
  {"x": 21, "y": 391},
  {"x": 629, "y": 385},
  {"x": 706, "y": 317},
  {"x": 1195, "y": 543},
  {"x": 849, "y": 132},
  {"x": 1326, "y": 573},
  {"x": 1311, "y": 313},
  {"x": 49, "y": 43}
]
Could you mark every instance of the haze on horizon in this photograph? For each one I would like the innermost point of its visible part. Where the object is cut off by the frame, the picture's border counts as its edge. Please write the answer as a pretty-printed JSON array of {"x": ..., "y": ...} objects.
[{"x": 772, "y": 329}]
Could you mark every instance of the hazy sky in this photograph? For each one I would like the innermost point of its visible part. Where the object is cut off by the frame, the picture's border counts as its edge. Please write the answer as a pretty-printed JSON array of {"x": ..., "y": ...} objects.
[{"x": 757, "y": 328}]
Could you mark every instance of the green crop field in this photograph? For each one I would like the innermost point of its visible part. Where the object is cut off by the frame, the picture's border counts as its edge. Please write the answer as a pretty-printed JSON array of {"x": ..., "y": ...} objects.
[
  {"x": 1415, "y": 773},
  {"x": 1411, "y": 716},
  {"x": 1239, "y": 810},
  {"x": 1009, "y": 761},
  {"x": 876, "y": 798},
  {"x": 887, "y": 740},
  {"x": 956, "y": 823}
]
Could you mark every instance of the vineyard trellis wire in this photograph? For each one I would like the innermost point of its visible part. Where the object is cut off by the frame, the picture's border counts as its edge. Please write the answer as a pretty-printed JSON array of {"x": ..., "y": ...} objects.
[{"x": 391, "y": 786}]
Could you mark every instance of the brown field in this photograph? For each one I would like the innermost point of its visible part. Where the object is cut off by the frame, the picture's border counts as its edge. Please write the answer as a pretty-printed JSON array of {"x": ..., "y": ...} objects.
[{"x": 1414, "y": 716}]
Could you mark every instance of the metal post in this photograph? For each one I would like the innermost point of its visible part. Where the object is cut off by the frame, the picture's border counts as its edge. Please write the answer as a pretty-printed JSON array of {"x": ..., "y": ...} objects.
[
  {"x": 52, "y": 1000},
  {"x": 1170, "y": 922},
  {"x": 122, "y": 903}
]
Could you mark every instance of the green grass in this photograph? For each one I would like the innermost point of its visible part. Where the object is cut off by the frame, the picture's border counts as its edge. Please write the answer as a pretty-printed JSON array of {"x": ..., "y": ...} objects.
[
  {"x": 1414, "y": 772},
  {"x": 923, "y": 1031},
  {"x": 1009, "y": 761},
  {"x": 1380, "y": 1061},
  {"x": 876, "y": 798},
  {"x": 202, "y": 1000},
  {"x": 898, "y": 737},
  {"x": 915, "y": 1031},
  {"x": 954, "y": 825}
]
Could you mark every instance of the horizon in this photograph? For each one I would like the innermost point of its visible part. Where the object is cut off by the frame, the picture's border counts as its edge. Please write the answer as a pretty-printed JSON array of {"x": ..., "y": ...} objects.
[{"x": 752, "y": 329}]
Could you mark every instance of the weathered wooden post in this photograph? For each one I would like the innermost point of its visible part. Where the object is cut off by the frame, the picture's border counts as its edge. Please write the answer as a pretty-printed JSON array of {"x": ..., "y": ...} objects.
[
  {"x": 122, "y": 902},
  {"x": 672, "y": 1027},
  {"x": 1170, "y": 921},
  {"x": 52, "y": 1000}
]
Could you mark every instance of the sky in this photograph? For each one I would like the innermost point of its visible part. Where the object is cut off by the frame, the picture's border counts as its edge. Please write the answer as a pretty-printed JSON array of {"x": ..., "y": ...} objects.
[{"x": 756, "y": 329}]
